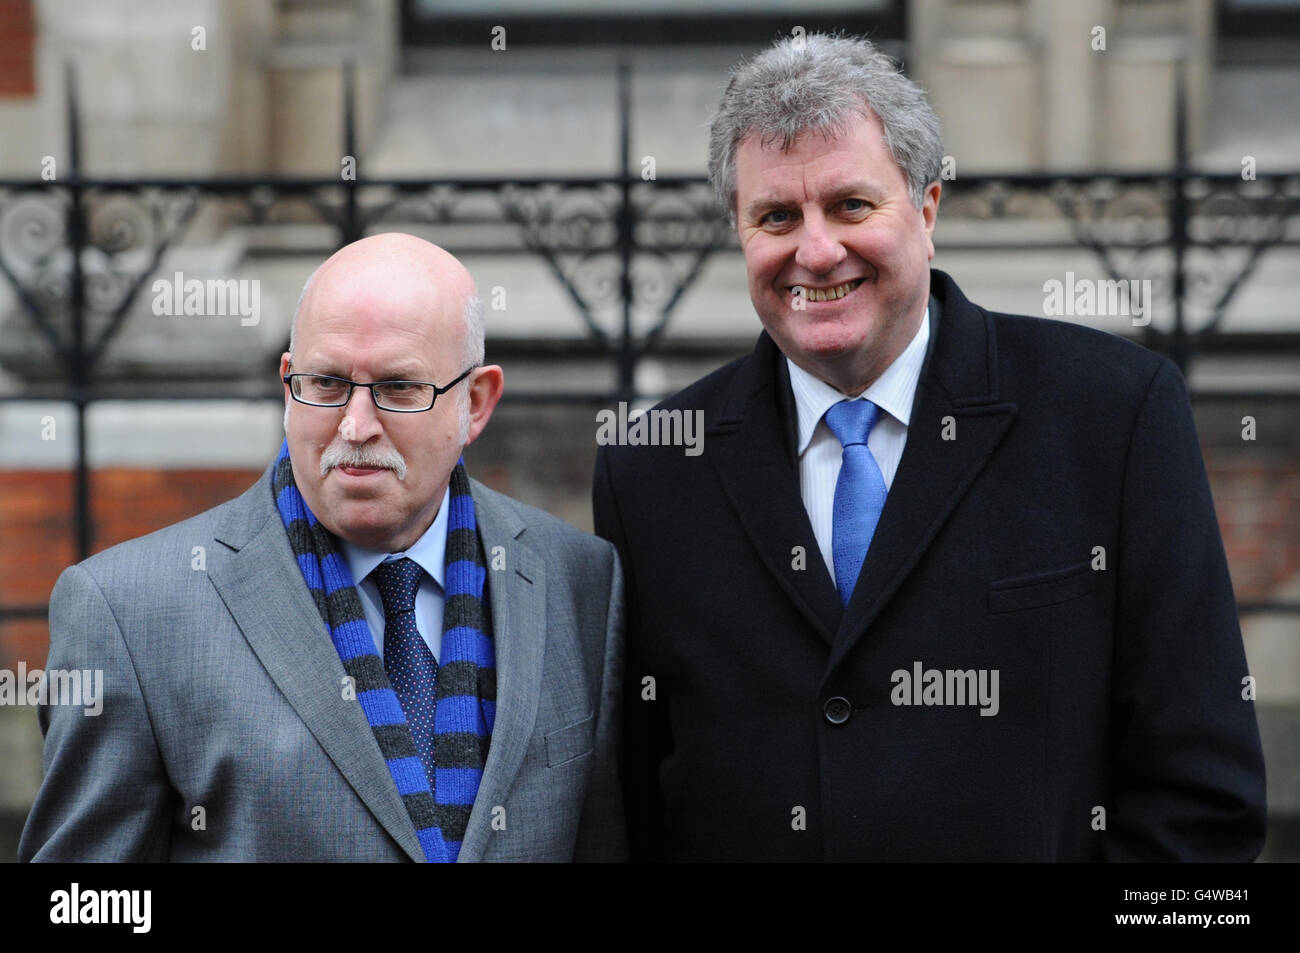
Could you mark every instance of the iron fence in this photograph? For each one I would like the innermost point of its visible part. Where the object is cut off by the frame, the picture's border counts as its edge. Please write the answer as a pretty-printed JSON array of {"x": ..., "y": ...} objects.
[{"x": 76, "y": 252}]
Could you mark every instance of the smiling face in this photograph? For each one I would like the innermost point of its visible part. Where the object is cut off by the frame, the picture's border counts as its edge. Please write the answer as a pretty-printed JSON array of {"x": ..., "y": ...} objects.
[
  {"x": 385, "y": 308},
  {"x": 832, "y": 216}
]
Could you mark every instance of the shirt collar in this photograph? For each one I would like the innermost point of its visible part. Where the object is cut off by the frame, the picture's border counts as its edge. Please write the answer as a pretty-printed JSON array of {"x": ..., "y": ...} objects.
[
  {"x": 893, "y": 391},
  {"x": 429, "y": 551}
]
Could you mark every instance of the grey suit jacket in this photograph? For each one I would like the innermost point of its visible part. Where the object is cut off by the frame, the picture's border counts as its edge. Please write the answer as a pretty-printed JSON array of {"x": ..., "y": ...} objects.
[{"x": 226, "y": 734}]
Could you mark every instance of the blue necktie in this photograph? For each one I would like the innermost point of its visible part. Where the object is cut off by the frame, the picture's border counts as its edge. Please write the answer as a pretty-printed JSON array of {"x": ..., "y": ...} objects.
[
  {"x": 410, "y": 665},
  {"x": 859, "y": 491}
]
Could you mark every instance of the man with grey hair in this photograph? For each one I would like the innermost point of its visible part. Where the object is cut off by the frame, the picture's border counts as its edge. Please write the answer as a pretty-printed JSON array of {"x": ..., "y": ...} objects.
[
  {"x": 944, "y": 584},
  {"x": 368, "y": 655}
]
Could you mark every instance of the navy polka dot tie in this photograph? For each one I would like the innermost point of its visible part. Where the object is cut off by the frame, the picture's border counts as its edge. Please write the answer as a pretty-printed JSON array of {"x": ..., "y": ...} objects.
[{"x": 410, "y": 665}]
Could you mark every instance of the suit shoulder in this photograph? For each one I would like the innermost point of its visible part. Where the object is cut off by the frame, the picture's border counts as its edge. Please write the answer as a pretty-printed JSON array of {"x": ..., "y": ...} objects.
[
  {"x": 542, "y": 525},
  {"x": 1070, "y": 356},
  {"x": 703, "y": 400},
  {"x": 169, "y": 546}
]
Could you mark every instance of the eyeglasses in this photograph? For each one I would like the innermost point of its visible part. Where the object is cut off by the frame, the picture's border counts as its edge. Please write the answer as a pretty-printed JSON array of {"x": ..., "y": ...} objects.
[{"x": 400, "y": 397}]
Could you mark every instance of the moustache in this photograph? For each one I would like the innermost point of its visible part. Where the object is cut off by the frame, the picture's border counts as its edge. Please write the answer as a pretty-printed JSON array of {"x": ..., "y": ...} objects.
[{"x": 341, "y": 454}]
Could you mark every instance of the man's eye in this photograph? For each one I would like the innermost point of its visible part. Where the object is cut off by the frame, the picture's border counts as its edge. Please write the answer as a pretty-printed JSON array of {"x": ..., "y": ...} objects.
[
  {"x": 854, "y": 205},
  {"x": 399, "y": 387},
  {"x": 776, "y": 217},
  {"x": 325, "y": 383}
]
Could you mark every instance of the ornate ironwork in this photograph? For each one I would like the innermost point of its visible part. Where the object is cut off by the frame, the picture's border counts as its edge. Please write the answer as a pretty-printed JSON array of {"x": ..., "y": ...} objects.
[{"x": 76, "y": 252}]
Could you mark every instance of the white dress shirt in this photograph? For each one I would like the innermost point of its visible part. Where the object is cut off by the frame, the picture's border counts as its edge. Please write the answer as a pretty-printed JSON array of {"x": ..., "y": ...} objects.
[
  {"x": 820, "y": 452},
  {"x": 430, "y": 551}
]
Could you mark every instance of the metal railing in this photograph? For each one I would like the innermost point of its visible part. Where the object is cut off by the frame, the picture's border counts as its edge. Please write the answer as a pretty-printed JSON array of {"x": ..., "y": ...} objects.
[{"x": 77, "y": 252}]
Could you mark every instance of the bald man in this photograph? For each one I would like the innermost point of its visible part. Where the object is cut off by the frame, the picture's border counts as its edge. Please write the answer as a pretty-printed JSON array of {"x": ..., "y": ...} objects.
[{"x": 374, "y": 657}]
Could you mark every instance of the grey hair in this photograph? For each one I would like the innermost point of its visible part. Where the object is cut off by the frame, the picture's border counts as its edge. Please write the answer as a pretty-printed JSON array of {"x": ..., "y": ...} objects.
[
  {"x": 297, "y": 308},
  {"x": 814, "y": 84},
  {"x": 474, "y": 331},
  {"x": 473, "y": 357}
]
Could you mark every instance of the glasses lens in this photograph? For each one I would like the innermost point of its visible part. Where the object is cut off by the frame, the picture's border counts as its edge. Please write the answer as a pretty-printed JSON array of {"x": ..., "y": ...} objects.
[
  {"x": 404, "y": 395},
  {"x": 320, "y": 390}
]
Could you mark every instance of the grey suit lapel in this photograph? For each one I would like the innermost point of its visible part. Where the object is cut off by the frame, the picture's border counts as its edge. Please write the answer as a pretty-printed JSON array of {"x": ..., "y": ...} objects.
[
  {"x": 264, "y": 590},
  {"x": 516, "y": 584}
]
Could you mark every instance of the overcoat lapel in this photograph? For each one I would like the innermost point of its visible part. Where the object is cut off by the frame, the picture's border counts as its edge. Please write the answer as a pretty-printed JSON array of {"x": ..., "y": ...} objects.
[
  {"x": 749, "y": 447},
  {"x": 960, "y": 382}
]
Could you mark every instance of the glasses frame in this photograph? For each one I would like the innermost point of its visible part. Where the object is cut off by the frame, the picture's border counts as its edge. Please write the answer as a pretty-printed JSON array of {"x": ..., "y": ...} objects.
[{"x": 352, "y": 385}]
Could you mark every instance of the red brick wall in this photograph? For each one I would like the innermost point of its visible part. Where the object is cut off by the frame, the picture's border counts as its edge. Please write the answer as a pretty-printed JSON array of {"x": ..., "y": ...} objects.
[
  {"x": 36, "y": 530},
  {"x": 1258, "y": 505},
  {"x": 17, "y": 48}
]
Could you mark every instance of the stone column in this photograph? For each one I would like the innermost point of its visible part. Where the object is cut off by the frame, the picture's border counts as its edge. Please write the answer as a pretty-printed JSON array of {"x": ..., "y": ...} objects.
[{"x": 1036, "y": 84}]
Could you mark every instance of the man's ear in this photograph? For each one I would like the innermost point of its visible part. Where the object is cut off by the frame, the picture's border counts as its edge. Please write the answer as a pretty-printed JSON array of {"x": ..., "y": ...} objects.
[
  {"x": 486, "y": 385},
  {"x": 930, "y": 212}
]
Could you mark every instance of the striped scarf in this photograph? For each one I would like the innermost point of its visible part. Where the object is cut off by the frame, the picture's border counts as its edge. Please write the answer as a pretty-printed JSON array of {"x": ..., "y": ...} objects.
[{"x": 466, "y": 687}]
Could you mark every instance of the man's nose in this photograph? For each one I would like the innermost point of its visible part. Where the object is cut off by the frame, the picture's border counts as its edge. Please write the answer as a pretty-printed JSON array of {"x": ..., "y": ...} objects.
[
  {"x": 360, "y": 417},
  {"x": 820, "y": 249}
]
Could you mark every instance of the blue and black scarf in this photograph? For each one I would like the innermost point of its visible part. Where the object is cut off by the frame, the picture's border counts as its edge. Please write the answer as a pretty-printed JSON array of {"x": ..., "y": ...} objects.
[{"x": 466, "y": 687}]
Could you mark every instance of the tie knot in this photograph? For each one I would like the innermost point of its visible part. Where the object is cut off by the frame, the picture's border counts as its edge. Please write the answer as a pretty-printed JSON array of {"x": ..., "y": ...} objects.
[
  {"x": 851, "y": 420},
  {"x": 398, "y": 581}
]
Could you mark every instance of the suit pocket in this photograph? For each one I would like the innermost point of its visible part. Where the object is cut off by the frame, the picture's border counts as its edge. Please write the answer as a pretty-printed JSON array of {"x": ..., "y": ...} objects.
[
  {"x": 1042, "y": 588},
  {"x": 570, "y": 742}
]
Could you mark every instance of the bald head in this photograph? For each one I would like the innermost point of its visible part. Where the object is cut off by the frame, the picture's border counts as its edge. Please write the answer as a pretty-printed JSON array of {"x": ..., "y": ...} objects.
[
  {"x": 394, "y": 256},
  {"x": 389, "y": 308}
]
